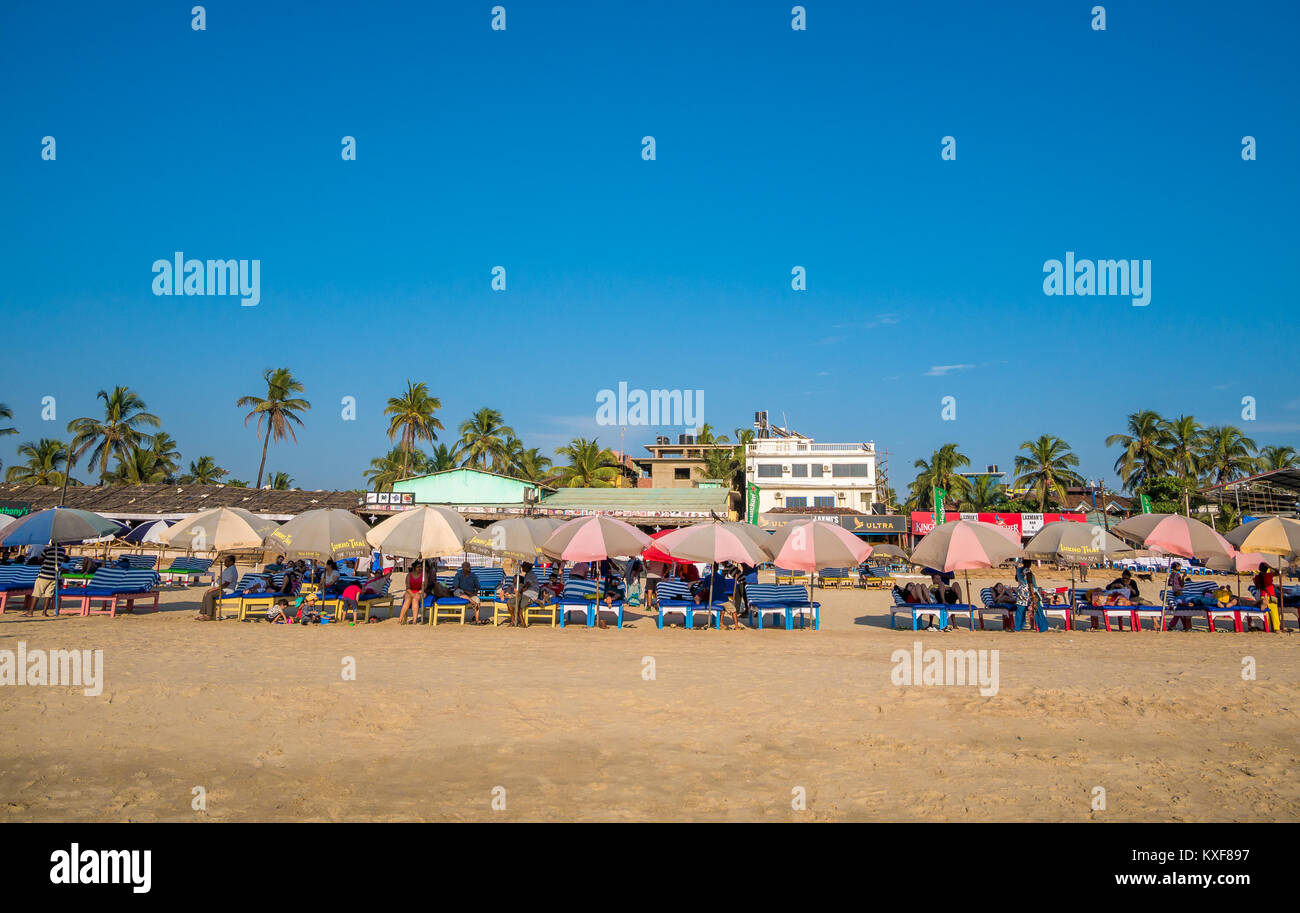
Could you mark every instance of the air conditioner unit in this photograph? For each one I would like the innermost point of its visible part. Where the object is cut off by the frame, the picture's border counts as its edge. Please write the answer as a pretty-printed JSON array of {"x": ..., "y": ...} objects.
[
  {"x": 785, "y": 467},
  {"x": 839, "y": 495},
  {"x": 825, "y": 468}
]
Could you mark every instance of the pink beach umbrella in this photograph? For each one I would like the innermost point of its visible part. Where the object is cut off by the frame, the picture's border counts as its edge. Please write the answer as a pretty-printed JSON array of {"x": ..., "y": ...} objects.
[
  {"x": 712, "y": 542},
  {"x": 965, "y": 544},
  {"x": 814, "y": 545},
  {"x": 1175, "y": 534},
  {"x": 595, "y": 538}
]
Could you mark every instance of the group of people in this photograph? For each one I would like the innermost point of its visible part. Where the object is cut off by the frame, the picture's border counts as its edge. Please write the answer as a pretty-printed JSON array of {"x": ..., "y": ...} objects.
[{"x": 294, "y": 605}]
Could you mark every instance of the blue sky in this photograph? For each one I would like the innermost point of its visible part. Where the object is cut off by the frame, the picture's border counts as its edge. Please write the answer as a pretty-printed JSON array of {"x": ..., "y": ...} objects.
[{"x": 775, "y": 148}]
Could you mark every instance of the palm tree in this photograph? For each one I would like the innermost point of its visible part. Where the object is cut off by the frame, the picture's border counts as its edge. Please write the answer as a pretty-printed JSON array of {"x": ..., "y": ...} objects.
[
  {"x": 705, "y": 435},
  {"x": 441, "y": 459},
  {"x": 727, "y": 465},
  {"x": 1048, "y": 466},
  {"x": 1229, "y": 454},
  {"x": 236, "y": 483},
  {"x": 393, "y": 466},
  {"x": 204, "y": 471},
  {"x": 139, "y": 467},
  {"x": 117, "y": 434},
  {"x": 743, "y": 436},
  {"x": 985, "y": 493},
  {"x": 589, "y": 466},
  {"x": 482, "y": 438},
  {"x": 279, "y": 407},
  {"x": 279, "y": 481},
  {"x": 163, "y": 448},
  {"x": 45, "y": 463},
  {"x": 1144, "y": 456},
  {"x": 1275, "y": 457},
  {"x": 1185, "y": 440},
  {"x": 6, "y": 412},
  {"x": 533, "y": 466},
  {"x": 413, "y": 419},
  {"x": 940, "y": 471}
]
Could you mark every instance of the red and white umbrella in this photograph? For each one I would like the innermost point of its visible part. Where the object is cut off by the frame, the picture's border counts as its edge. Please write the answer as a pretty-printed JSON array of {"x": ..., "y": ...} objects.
[
  {"x": 594, "y": 538},
  {"x": 814, "y": 545},
  {"x": 965, "y": 544}
]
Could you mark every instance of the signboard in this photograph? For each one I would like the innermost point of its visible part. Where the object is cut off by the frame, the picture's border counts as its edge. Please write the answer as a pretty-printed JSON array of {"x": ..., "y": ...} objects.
[
  {"x": 771, "y": 520},
  {"x": 1146, "y": 504},
  {"x": 751, "y": 503},
  {"x": 940, "y": 502},
  {"x": 923, "y": 521},
  {"x": 874, "y": 525},
  {"x": 15, "y": 508}
]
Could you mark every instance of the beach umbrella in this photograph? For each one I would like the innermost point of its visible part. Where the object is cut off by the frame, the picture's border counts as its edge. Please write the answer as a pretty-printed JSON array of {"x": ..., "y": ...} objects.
[
  {"x": 965, "y": 544},
  {"x": 516, "y": 538},
  {"x": 218, "y": 529},
  {"x": 1175, "y": 534},
  {"x": 320, "y": 535},
  {"x": 56, "y": 526},
  {"x": 595, "y": 538},
  {"x": 713, "y": 542},
  {"x": 1270, "y": 536},
  {"x": 654, "y": 553},
  {"x": 885, "y": 550},
  {"x": 1075, "y": 543},
  {"x": 148, "y": 533},
  {"x": 814, "y": 545},
  {"x": 756, "y": 534},
  {"x": 425, "y": 532}
]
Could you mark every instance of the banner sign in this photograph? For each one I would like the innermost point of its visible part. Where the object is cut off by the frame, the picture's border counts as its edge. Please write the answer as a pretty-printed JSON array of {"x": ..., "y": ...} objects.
[
  {"x": 751, "y": 503},
  {"x": 1146, "y": 504},
  {"x": 15, "y": 508},
  {"x": 1021, "y": 524},
  {"x": 874, "y": 525},
  {"x": 772, "y": 520},
  {"x": 940, "y": 500}
]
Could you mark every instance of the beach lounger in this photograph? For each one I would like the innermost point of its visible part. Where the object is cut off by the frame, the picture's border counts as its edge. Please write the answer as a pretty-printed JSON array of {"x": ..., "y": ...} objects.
[
  {"x": 187, "y": 570},
  {"x": 874, "y": 577},
  {"x": 17, "y": 580},
  {"x": 365, "y": 604},
  {"x": 1005, "y": 611},
  {"x": 112, "y": 587},
  {"x": 579, "y": 595},
  {"x": 785, "y": 600},
  {"x": 140, "y": 562},
  {"x": 917, "y": 609},
  {"x": 792, "y": 577},
  {"x": 674, "y": 597},
  {"x": 835, "y": 578},
  {"x": 1133, "y": 613}
]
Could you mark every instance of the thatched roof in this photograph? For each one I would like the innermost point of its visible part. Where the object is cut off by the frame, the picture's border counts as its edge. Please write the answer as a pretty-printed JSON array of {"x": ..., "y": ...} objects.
[{"x": 150, "y": 502}]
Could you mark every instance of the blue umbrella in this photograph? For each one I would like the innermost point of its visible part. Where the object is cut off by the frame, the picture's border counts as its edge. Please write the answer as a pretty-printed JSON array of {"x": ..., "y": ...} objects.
[
  {"x": 55, "y": 526},
  {"x": 138, "y": 535}
]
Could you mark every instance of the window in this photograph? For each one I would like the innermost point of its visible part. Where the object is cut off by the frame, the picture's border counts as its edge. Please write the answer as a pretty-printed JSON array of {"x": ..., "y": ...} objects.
[
  {"x": 815, "y": 470},
  {"x": 824, "y": 501},
  {"x": 796, "y": 502},
  {"x": 850, "y": 470},
  {"x": 682, "y": 473},
  {"x": 769, "y": 470},
  {"x": 799, "y": 470}
]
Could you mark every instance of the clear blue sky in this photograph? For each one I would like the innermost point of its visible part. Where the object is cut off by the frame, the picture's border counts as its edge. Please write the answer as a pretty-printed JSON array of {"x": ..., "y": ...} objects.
[{"x": 775, "y": 148}]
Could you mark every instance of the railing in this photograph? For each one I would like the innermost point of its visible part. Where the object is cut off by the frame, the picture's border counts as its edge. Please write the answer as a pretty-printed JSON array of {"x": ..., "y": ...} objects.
[{"x": 771, "y": 448}]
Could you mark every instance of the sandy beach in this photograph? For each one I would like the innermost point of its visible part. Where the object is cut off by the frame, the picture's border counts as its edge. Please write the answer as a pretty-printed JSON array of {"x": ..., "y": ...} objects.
[{"x": 730, "y": 728}]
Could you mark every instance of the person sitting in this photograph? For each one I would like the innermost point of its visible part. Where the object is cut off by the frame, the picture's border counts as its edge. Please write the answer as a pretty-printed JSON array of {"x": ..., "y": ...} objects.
[
  {"x": 554, "y": 585},
  {"x": 466, "y": 586},
  {"x": 712, "y": 588},
  {"x": 122, "y": 563},
  {"x": 275, "y": 566},
  {"x": 279, "y": 613},
  {"x": 529, "y": 592},
  {"x": 1125, "y": 583},
  {"x": 414, "y": 595},
  {"x": 1003, "y": 595},
  {"x": 690, "y": 573},
  {"x": 1175, "y": 584},
  {"x": 329, "y": 582}
]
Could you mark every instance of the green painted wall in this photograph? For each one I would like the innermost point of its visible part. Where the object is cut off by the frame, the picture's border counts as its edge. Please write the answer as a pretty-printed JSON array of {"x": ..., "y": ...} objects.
[{"x": 464, "y": 486}]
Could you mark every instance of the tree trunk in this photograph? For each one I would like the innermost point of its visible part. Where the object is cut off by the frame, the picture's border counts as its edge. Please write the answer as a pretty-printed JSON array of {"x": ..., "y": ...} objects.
[{"x": 266, "y": 442}]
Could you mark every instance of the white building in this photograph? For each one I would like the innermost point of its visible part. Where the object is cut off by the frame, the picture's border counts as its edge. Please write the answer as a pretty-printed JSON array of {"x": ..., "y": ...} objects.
[{"x": 793, "y": 471}]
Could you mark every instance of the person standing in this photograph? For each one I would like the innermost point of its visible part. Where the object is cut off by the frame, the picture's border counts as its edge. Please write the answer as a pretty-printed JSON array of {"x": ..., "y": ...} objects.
[
  {"x": 1027, "y": 599},
  {"x": 1263, "y": 583},
  {"x": 44, "y": 590},
  {"x": 1175, "y": 584},
  {"x": 225, "y": 586}
]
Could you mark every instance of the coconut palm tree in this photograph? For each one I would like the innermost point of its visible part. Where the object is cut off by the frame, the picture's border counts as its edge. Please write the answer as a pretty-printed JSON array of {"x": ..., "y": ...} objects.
[
  {"x": 940, "y": 471},
  {"x": 985, "y": 493},
  {"x": 117, "y": 434},
  {"x": 163, "y": 447},
  {"x": 706, "y": 435},
  {"x": 1228, "y": 455},
  {"x": 204, "y": 471},
  {"x": 533, "y": 466},
  {"x": 1185, "y": 442},
  {"x": 279, "y": 481},
  {"x": 589, "y": 466},
  {"x": 441, "y": 459},
  {"x": 279, "y": 408},
  {"x": 45, "y": 462},
  {"x": 413, "y": 420},
  {"x": 1276, "y": 457},
  {"x": 139, "y": 467},
  {"x": 1144, "y": 455},
  {"x": 236, "y": 483},
  {"x": 1048, "y": 465},
  {"x": 6, "y": 412},
  {"x": 395, "y": 466},
  {"x": 483, "y": 439}
]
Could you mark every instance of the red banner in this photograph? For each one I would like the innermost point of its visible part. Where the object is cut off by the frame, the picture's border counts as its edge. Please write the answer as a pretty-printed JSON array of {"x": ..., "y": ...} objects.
[{"x": 923, "y": 520}]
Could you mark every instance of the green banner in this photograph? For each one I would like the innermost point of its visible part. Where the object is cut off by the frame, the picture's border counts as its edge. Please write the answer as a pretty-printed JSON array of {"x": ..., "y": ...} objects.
[
  {"x": 940, "y": 497},
  {"x": 751, "y": 503},
  {"x": 1146, "y": 504}
]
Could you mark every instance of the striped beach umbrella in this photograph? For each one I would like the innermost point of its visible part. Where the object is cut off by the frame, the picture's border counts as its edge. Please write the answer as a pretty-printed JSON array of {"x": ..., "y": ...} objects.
[
  {"x": 57, "y": 525},
  {"x": 148, "y": 533}
]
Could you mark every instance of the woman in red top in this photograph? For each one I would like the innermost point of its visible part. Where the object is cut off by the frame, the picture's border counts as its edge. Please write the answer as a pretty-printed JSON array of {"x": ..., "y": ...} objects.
[
  {"x": 414, "y": 593},
  {"x": 1268, "y": 595}
]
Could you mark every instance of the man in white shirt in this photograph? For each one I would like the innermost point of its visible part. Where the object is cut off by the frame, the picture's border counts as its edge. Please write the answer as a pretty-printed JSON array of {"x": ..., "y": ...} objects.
[{"x": 225, "y": 586}]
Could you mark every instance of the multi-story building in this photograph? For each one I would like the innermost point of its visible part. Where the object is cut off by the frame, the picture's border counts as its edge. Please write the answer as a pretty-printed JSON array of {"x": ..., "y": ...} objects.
[
  {"x": 676, "y": 465},
  {"x": 793, "y": 471}
]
